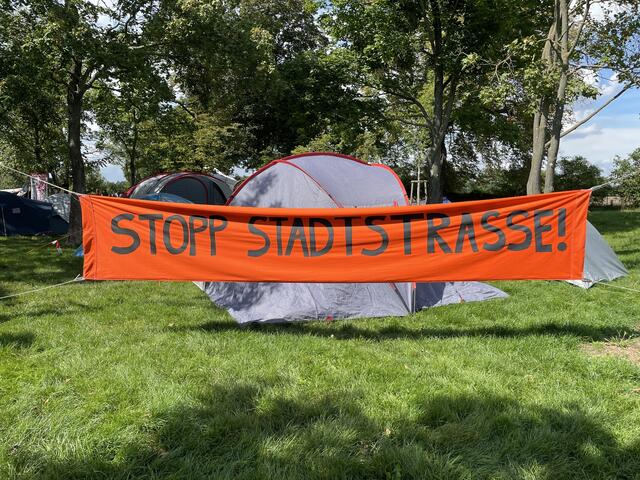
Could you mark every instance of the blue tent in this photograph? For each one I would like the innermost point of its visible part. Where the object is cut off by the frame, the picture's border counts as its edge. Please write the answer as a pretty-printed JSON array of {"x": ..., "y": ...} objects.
[
  {"x": 164, "y": 197},
  {"x": 22, "y": 216}
]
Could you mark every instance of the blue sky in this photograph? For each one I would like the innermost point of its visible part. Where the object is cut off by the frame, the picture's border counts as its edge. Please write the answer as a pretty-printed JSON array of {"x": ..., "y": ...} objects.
[{"x": 614, "y": 131}]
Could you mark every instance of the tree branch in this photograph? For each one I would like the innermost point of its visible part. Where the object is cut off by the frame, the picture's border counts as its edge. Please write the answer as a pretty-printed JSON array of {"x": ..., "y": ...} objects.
[{"x": 592, "y": 114}]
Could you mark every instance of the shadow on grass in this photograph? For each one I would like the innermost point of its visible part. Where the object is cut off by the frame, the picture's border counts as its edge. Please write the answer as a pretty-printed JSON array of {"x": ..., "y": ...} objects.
[
  {"x": 70, "y": 308},
  {"x": 261, "y": 431},
  {"x": 349, "y": 331},
  {"x": 30, "y": 259},
  {"x": 630, "y": 258},
  {"x": 615, "y": 221},
  {"x": 17, "y": 340}
]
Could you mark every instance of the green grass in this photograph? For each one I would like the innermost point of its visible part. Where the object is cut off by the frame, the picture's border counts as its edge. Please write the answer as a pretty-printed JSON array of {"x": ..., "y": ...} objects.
[{"x": 133, "y": 379}]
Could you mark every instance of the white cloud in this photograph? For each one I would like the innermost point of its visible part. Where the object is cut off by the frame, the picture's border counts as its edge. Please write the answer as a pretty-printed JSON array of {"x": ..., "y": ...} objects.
[
  {"x": 590, "y": 130},
  {"x": 602, "y": 144},
  {"x": 610, "y": 85}
]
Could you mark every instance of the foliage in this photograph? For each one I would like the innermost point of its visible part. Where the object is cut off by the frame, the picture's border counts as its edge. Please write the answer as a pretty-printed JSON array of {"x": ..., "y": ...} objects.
[
  {"x": 257, "y": 72},
  {"x": 577, "y": 173},
  {"x": 187, "y": 84},
  {"x": 427, "y": 60},
  {"x": 31, "y": 102},
  {"x": 629, "y": 186},
  {"x": 98, "y": 185},
  {"x": 149, "y": 380}
]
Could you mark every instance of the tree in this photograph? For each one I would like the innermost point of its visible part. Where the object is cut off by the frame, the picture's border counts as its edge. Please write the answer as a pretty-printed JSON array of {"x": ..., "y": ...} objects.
[
  {"x": 123, "y": 107},
  {"x": 628, "y": 170},
  {"x": 258, "y": 71},
  {"x": 77, "y": 43},
  {"x": 31, "y": 104},
  {"x": 577, "y": 173},
  {"x": 424, "y": 57},
  {"x": 575, "y": 43}
]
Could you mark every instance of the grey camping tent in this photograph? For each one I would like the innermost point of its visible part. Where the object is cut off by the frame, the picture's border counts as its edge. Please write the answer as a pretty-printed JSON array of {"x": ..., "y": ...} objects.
[
  {"x": 600, "y": 262},
  {"x": 329, "y": 180},
  {"x": 199, "y": 188}
]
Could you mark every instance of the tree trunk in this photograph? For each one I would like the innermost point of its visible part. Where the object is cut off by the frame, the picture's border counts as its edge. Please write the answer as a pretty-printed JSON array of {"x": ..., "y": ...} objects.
[
  {"x": 539, "y": 136},
  {"x": 439, "y": 155},
  {"x": 556, "y": 130},
  {"x": 434, "y": 195},
  {"x": 540, "y": 117},
  {"x": 78, "y": 179},
  {"x": 562, "y": 33}
]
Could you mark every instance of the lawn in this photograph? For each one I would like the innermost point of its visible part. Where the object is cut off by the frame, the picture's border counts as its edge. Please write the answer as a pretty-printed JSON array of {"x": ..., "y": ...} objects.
[{"x": 150, "y": 380}]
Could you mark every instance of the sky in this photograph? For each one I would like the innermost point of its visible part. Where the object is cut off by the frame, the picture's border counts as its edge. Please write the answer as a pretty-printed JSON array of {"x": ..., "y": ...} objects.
[{"x": 613, "y": 131}]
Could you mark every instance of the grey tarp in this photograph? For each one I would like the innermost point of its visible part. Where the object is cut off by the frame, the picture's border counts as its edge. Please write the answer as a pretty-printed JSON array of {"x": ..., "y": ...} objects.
[
  {"x": 61, "y": 203},
  {"x": 600, "y": 262},
  {"x": 330, "y": 181}
]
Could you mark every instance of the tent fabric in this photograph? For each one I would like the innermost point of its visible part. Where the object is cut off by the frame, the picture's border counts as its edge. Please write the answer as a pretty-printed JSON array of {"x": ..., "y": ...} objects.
[
  {"x": 324, "y": 180},
  {"x": 195, "y": 187},
  {"x": 23, "y": 216},
  {"x": 600, "y": 262},
  {"x": 164, "y": 197},
  {"x": 61, "y": 203},
  {"x": 438, "y": 294}
]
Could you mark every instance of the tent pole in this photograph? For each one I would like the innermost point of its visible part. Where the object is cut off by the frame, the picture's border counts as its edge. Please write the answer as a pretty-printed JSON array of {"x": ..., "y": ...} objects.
[{"x": 413, "y": 297}]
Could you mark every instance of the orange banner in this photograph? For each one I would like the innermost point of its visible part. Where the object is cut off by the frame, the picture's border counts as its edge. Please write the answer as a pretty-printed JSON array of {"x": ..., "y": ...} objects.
[{"x": 534, "y": 237}]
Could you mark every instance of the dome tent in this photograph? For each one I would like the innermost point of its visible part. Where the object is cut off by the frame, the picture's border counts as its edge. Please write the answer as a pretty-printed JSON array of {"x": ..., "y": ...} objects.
[
  {"x": 600, "y": 262},
  {"x": 199, "y": 188},
  {"x": 327, "y": 180}
]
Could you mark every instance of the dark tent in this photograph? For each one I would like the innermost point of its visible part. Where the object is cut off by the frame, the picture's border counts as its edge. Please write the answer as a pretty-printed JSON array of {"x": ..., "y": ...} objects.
[
  {"x": 196, "y": 187},
  {"x": 22, "y": 216}
]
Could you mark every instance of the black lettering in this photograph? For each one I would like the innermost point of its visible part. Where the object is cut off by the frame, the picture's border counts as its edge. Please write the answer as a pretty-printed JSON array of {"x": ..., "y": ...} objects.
[
  {"x": 466, "y": 230},
  {"x": 213, "y": 229},
  {"x": 500, "y": 242},
  {"x": 384, "y": 242},
  {"x": 348, "y": 234},
  {"x": 432, "y": 232},
  {"x": 193, "y": 229},
  {"x": 116, "y": 228},
  {"x": 406, "y": 221},
  {"x": 278, "y": 221},
  {"x": 297, "y": 233},
  {"x": 516, "y": 247},
  {"x": 166, "y": 230},
  {"x": 539, "y": 229},
  {"x": 312, "y": 236},
  {"x": 256, "y": 231},
  {"x": 152, "y": 218}
]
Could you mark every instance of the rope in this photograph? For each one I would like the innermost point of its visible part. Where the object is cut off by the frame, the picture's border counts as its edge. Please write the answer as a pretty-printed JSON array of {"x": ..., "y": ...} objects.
[
  {"x": 615, "y": 180},
  {"x": 77, "y": 279},
  {"x": 618, "y": 286},
  {"x": 39, "y": 180},
  {"x": 47, "y": 244}
]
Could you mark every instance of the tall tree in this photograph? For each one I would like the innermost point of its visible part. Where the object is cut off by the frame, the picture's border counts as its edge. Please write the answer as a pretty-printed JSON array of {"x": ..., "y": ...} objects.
[
  {"x": 423, "y": 57},
  {"x": 577, "y": 42},
  {"x": 79, "y": 43},
  {"x": 31, "y": 103},
  {"x": 257, "y": 68},
  {"x": 124, "y": 107}
]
